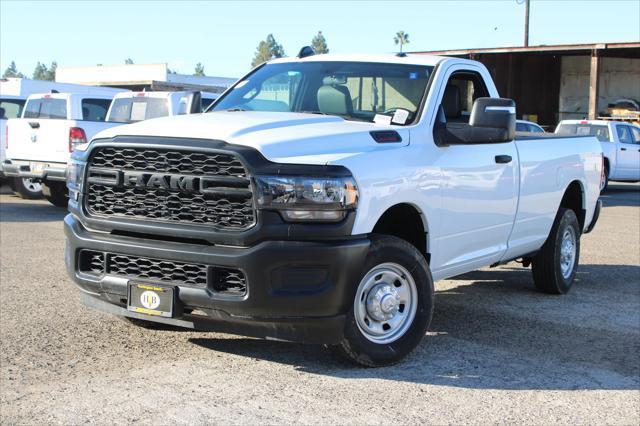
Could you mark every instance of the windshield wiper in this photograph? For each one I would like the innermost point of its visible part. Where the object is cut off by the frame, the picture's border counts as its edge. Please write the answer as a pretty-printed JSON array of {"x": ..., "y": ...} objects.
[
  {"x": 315, "y": 112},
  {"x": 345, "y": 116},
  {"x": 234, "y": 110}
]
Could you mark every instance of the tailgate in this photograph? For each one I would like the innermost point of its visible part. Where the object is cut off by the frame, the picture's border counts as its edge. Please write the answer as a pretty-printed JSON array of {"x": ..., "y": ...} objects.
[{"x": 39, "y": 139}]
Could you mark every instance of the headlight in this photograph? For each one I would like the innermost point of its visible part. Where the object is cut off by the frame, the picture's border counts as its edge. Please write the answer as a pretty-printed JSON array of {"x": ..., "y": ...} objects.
[
  {"x": 300, "y": 198},
  {"x": 75, "y": 176}
]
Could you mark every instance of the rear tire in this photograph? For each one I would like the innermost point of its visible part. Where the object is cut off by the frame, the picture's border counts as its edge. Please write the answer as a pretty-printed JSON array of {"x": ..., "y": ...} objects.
[
  {"x": 392, "y": 306},
  {"x": 27, "y": 188},
  {"x": 55, "y": 193},
  {"x": 554, "y": 267},
  {"x": 606, "y": 179}
]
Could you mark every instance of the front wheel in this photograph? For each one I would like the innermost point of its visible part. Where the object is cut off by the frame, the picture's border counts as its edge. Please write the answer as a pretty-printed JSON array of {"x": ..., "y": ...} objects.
[
  {"x": 554, "y": 267},
  {"x": 56, "y": 193},
  {"x": 392, "y": 306},
  {"x": 27, "y": 188}
]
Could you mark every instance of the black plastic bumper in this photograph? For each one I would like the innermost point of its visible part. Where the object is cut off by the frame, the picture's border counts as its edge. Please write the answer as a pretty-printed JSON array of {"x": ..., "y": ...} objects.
[{"x": 297, "y": 290}]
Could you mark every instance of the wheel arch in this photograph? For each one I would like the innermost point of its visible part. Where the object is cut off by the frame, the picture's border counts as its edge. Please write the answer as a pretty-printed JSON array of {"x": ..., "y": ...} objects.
[
  {"x": 574, "y": 198},
  {"x": 408, "y": 222}
]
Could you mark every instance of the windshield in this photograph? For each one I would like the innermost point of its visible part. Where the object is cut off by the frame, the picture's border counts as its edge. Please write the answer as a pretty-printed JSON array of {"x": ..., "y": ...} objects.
[
  {"x": 130, "y": 110},
  {"x": 598, "y": 130},
  {"x": 352, "y": 90},
  {"x": 10, "y": 108}
]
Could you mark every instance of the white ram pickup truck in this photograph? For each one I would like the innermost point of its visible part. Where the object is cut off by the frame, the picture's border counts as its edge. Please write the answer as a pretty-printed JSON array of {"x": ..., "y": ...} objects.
[
  {"x": 38, "y": 144},
  {"x": 620, "y": 146},
  {"x": 319, "y": 200}
]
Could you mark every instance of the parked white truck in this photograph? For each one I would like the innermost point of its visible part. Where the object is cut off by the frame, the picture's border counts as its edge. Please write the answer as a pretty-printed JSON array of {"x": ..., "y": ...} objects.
[
  {"x": 53, "y": 124},
  {"x": 38, "y": 144},
  {"x": 320, "y": 199},
  {"x": 13, "y": 95},
  {"x": 620, "y": 143},
  {"x": 137, "y": 106}
]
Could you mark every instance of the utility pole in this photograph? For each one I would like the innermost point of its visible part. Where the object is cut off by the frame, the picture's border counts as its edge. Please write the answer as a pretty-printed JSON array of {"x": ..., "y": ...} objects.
[{"x": 526, "y": 23}]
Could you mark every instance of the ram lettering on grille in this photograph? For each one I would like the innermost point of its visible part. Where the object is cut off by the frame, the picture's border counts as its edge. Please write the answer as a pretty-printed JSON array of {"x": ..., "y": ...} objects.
[{"x": 172, "y": 186}]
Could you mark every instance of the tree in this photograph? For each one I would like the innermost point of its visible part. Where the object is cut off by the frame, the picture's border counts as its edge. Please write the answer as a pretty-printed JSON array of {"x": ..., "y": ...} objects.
[
  {"x": 319, "y": 44},
  {"x": 12, "y": 71},
  {"x": 51, "y": 72},
  {"x": 41, "y": 71},
  {"x": 128, "y": 61},
  {"x": 267, "y": 50},
  {"x": 401, "y": 38},
  {"x": 199, "y": 71}
]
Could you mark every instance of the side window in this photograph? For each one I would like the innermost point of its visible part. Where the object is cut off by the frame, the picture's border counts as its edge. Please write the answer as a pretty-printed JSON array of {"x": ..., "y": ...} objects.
[
  {"x": 95, "y": 109},
  {"x": 462, "y": 89},
  {"x": 624, "y": 134},
  {"x": 635, "y": 134}
]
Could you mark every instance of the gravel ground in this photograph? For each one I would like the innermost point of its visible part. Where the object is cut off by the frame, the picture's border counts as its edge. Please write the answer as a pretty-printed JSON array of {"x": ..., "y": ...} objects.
[{"x": 497, "y": 351}]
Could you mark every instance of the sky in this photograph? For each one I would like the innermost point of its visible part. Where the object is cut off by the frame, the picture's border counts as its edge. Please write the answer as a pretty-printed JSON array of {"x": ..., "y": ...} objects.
[{"x": 223, "y": 35}]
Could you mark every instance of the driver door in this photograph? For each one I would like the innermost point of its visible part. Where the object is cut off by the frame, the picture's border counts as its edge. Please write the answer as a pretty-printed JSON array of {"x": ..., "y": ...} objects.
[{"x": 479, "y": 186}]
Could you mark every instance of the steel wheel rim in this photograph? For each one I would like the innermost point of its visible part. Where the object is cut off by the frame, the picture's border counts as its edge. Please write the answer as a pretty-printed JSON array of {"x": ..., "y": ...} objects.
[
  {"x": 567, "y": 252},
  {"x": 32, "y": 185},
  {"x": 386, "y": 303}
]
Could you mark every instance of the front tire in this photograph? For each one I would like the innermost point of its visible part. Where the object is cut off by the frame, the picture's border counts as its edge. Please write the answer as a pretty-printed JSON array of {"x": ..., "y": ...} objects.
[
  {"x": 27, "y": 188},
  {"x": 392, "y": 305},
  {"x": 56, "y": 193},
  {"x": 554, "y": 267}
]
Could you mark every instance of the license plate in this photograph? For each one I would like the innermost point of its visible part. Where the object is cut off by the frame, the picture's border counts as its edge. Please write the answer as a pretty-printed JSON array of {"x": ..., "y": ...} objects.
[
  {"x": 150, "y": 299},
  {"x": 36, "y": 167}
]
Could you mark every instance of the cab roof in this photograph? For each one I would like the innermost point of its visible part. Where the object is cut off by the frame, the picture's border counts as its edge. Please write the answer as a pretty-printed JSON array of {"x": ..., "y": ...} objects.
[{"x": 408, "y": 59}]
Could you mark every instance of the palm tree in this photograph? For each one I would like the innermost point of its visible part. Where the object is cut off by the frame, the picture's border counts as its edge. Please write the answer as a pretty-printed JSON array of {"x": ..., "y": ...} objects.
[{"x": 401, "y": 38}]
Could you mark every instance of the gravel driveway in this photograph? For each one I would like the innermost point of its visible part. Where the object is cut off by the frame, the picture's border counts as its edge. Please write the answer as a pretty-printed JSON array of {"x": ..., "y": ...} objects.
[{"x": 497, "y": 351}]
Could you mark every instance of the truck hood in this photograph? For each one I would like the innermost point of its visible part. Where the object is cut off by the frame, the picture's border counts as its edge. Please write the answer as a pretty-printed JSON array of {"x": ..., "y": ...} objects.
[{"x": 280, "y": 136}]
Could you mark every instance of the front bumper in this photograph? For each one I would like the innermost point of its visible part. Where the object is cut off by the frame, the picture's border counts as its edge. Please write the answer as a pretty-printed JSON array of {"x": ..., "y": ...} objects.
[
  {"x": 36, "y": 170},
  {"x": 296, "y": 290}
]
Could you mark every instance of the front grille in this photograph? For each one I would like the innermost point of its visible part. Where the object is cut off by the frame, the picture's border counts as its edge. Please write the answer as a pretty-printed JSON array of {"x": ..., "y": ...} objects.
[
  {"x": 222, "y": 280},
  {"x": 154, "y": 269},
  {"x": 219, "y": 193}
]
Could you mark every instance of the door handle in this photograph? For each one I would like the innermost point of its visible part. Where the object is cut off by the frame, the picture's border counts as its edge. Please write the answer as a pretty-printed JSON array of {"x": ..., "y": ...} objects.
[
  {"x": 34, "y": 124},
  {"x": 623, "y": 149},
  {"x": 503, "y": 159}
]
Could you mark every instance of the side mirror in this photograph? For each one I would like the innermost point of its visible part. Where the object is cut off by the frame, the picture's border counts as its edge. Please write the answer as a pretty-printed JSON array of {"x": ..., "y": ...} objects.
[
  {"x": 497, "y": 116},
  {"x": 492, "y": 120}
]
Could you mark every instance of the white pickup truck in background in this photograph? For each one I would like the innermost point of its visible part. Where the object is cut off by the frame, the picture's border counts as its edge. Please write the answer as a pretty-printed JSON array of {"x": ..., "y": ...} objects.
[
  {"x": 13, "y": 94},
  {"x": 38, "y": 144},
  {"x": 10, "y": 107},
  {"x": 137, "y": 106},
  {"x": 620, "y": 146}
]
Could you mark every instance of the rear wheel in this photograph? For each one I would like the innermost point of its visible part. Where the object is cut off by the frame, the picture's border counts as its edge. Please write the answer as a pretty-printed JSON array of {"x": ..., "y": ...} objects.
[
  {"x": 392, "y": 306},
  {"x": 605, "y": 185},
  {"x": 55, "y": 193},
  {"x": 27, "y": 188},
  {"x": 554, "y": 267}
]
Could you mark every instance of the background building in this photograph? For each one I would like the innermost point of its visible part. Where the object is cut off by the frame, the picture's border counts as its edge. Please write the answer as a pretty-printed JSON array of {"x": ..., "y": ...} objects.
[
  {"x": 141, "y": 77},
  {"x": 552, "y": 83}
]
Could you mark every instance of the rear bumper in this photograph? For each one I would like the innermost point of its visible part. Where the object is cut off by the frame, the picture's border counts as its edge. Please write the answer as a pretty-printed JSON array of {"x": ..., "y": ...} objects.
[
  {"x": 296, "y": 290},
  {"x": 46, "y": 171}
]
